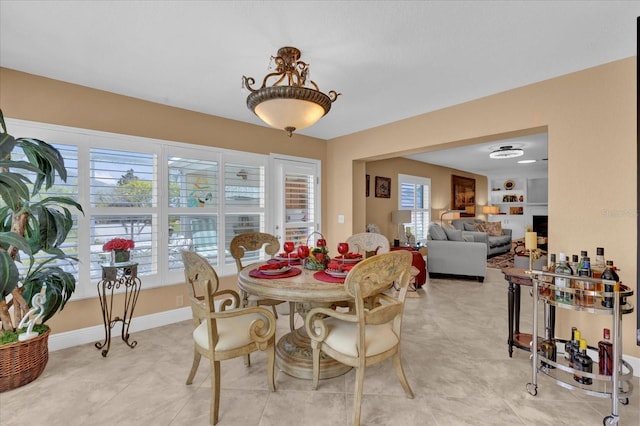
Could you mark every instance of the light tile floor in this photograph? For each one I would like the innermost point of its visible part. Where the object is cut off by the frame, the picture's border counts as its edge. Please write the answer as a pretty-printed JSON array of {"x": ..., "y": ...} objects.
[{"x": 454, "y": 352}]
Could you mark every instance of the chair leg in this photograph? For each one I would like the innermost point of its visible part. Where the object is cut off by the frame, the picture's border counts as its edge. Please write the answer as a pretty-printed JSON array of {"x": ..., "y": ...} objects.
[
  {"x": 316, "y": 365},
  {"x": 274, "y": 311},
  {"x": 271, "y": 366},
  {"x": 357, "y": 396},
  {"x": 215, "y": 392},
  {"x": 247, "y": 360},
  {"x": 292, "y": 316},
  {"x": 397, "y": 363},
  {"x": 194, "y": 366}
]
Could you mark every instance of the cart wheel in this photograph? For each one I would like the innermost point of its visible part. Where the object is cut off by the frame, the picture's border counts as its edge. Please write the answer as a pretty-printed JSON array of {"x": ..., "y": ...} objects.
[
  {"x": 610, "y": 420},
  {"x": 532, "y": 389},
  {"x": 624, "y": 401}
]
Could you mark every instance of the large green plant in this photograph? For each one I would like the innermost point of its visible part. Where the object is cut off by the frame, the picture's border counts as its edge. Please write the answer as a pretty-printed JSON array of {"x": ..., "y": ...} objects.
[{"x": 32, "y": 223}]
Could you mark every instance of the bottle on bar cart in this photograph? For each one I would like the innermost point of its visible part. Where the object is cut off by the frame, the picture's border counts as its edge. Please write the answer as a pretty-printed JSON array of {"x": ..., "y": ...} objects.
[
  {"x": 571, "y": 347},
  {"x": 582, "y": 362},
  {"x": 548, "y": 348},
  {"x": 585, "y": 271},
  {"x": 605, "y": 354},
  {"x": 610, "y": 273},
  {"x": 563, "y": 269}
]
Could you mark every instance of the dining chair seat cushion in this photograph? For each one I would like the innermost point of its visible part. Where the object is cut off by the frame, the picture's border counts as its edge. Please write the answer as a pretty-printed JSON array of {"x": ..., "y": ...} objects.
[
  {"x": 232, "y": 332},
  {"x": 343, "y": 337}
]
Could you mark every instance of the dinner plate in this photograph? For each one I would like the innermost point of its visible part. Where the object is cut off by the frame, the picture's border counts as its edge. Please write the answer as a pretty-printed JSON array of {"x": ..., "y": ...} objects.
[
  {"x": 275, "y": 271},
  {"x": 287, "y": 259},
  {"x": 340, "y": 260},
  {"x": 336, "y": 274}
]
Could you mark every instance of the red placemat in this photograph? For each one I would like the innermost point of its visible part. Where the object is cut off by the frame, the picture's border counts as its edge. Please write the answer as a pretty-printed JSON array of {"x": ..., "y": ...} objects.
[
  {"x": 256, "y": 273},
  {"x": 323, "y": 276}
]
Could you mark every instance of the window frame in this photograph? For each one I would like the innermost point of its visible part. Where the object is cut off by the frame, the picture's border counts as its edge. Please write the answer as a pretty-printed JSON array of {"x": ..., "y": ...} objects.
[
  {"x": 416, "y": 180},
  {"x": 85, "y": 140}
]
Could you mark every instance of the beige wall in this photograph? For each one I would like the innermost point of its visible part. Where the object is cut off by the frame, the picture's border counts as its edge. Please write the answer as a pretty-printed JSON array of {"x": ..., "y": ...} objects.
[
  {"x": 590, "y": 117},
  {"x": 378, "y": 210},
  {"x": 28, "y": 97}
]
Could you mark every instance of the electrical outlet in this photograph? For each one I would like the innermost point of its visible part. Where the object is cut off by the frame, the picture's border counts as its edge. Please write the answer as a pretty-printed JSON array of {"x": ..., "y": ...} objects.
[{"x": 179, "y": 300}]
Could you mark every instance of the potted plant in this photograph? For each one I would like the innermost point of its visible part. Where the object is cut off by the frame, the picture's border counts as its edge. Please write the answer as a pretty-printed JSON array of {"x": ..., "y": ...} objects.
[{"x": 31, "y": 223}]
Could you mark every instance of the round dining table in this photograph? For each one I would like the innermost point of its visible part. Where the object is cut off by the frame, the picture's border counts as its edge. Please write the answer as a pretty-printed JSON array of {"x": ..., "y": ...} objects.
[{"x": 293, "y": 351}]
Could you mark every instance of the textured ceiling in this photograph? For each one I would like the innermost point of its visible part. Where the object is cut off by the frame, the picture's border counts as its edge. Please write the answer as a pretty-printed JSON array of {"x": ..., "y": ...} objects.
[{"x": 390, "y": 60}]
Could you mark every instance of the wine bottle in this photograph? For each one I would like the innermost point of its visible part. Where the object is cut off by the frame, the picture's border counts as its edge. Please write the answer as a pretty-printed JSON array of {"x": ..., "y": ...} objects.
[
  {"x": 605, "y": 354},
  {"x": 548, "y": 348},
  {"x": 610, "y": 273},
  {"x": 582, "y": 362},
  {"x": 562, "y": 268}
]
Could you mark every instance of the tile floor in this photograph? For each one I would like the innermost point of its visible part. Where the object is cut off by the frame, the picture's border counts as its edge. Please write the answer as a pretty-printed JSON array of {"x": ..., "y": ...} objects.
[{"x": 454, "y": 352}]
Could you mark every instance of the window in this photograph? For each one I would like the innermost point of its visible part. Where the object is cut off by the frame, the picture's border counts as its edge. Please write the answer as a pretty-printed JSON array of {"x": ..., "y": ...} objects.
[
  {"x": 415, "y": 195},
  {"x": 165, "y": 196}
]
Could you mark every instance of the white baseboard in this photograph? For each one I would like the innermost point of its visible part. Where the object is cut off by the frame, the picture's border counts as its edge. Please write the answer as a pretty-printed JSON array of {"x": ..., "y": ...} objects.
[{"x": 94, "y": 334}]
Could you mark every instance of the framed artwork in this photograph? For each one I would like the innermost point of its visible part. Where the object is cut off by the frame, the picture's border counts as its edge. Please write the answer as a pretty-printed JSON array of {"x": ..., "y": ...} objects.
[
  {"x": 383, "y": 187},
  {"x": 367, "y": 184},
  {"x": 463, "y": 195}
]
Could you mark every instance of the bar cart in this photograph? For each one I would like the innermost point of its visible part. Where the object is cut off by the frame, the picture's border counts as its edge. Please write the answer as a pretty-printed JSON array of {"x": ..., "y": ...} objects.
[{"x": 617, "y": 386}]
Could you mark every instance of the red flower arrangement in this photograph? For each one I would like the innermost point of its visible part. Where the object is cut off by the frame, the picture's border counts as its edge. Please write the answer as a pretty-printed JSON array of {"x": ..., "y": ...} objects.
[{"x": 118, "y": 244}]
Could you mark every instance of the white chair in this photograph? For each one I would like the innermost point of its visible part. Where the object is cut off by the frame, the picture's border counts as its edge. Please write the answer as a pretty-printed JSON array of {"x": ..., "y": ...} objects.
[
  {"x": 368, "y": 244},
  {"x": 221, "y": 333},
  {"x": 364, "y": 336}
]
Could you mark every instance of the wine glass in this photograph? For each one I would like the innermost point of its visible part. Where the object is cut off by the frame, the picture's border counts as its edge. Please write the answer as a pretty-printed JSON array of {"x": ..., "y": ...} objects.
[
  {"x": 343, "y": 249},
  {"x": 303, "y": 253},
  {"x": 288, "y": 248}
]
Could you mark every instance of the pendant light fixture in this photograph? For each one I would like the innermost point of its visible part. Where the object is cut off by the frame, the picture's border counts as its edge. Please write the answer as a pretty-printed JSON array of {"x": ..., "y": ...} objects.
[
  {"x": 506, "y": 151},
  {"x": 292, "y": 102}
]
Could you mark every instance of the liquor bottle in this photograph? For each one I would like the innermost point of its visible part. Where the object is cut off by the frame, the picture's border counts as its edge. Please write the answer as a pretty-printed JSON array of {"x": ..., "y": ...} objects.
[
  {"x": 610, "y": 273},
  {"x": 562, "y": 268},
  {"x": 598, "y": 265},
  {"x": 548, "y": 348},
  {"x": 585, "y": 271},
  {"x": 573, "y": 264},
  {"x": 582, "y": 362},
  {"x": 605, "y": 355},
  {"x": 551, "y": 267},
  {"x": 571, "y": 346}
]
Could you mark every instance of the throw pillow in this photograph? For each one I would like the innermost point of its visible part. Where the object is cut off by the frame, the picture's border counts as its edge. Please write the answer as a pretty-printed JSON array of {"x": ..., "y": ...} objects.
[
  {"x": 492, "y": 228},
  {"x": 453, "y": 234},
  {"x": 470, "y": 226},
  {"x": 436, "y": 232}
]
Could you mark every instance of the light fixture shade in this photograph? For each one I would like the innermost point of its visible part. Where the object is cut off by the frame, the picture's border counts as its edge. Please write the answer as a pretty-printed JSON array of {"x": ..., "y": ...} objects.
[
  {"x": 400, "y": 216},
  {"x": 506, "y": 151},
  {"x": 490, "y": 209},
  {"x": 294, "y": 105},
  {"x": 449, "y": 214}
]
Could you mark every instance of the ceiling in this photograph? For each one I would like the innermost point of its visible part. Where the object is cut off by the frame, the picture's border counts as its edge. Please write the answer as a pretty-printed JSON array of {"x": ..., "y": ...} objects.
[{"x": 389, "y": 59}]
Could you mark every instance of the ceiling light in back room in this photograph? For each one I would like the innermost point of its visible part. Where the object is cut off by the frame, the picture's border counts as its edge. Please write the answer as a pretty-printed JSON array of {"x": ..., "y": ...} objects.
[
  {"x": 506, "y": 151},
  {"x": 526, "y": 161}
]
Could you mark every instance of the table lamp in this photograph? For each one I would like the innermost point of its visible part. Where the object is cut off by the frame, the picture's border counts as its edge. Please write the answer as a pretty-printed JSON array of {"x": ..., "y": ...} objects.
[
  {"x": 531, "y": 244},
  {"x": 490, "y": 210},
  {"x": 400, "y": 217}
]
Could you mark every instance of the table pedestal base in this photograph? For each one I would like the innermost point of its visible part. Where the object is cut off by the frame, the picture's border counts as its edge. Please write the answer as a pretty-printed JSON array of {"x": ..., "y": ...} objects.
[{"x": 293, "y": 356}]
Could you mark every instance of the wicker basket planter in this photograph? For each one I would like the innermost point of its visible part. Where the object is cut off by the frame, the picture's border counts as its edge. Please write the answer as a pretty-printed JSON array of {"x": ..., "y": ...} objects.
[{"x": 23, "y": 362}]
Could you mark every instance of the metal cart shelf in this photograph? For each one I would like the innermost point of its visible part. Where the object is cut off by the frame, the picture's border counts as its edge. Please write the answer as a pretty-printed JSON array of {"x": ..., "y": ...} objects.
[{"x": 618, "y": 386}]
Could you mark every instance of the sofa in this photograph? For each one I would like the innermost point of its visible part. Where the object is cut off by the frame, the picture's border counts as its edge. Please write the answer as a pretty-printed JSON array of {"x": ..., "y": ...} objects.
[
  {"x": 455, "y": 252},
  {"x": 496, "y": 244}
]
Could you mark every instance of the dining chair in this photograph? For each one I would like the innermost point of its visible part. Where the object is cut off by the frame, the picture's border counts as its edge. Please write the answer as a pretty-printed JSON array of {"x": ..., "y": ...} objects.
[
  {"x": 251, "y": 242},
  {"x": 364, "y": 337},
  {"x": 222, "y": 330},
  {"x": 368, "y": 244}
]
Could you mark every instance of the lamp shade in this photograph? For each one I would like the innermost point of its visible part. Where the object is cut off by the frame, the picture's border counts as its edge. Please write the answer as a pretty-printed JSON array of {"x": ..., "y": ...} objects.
[
  {"x": 400, "y": 216},
  {"x": 531, "y": 240},
  {"x": 490, "y": 209}
]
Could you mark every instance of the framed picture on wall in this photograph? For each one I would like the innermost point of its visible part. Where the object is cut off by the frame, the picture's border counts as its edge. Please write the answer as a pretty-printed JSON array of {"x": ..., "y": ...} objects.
[
  {"x": 383, "y": 187},
  {"x": 463, "y": 195},
  {"x": 367, "y": 184}
]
